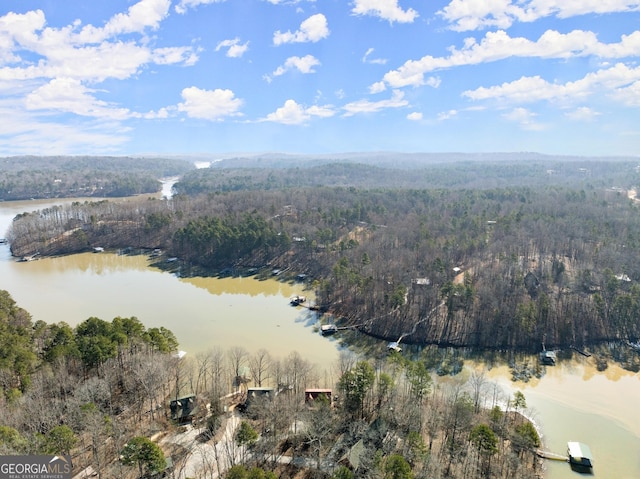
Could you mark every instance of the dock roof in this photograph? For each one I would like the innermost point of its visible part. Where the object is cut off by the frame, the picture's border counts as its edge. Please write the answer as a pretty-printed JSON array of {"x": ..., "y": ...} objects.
[{"x": 578, "y": 450}]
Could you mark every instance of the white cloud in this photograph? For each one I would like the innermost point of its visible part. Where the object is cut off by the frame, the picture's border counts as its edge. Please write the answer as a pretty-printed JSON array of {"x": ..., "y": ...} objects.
[
  {"x": 499, "y": 45},
  {"x": 365, "y": 106},
  {"x": 90, "y": 53},
  {"x": 467, "y": 15},
  {"x": 619, "y": 81},
  {"x": 235, "y": 49},
  {"x": 184, "y": 5},
  {"x": 447, "y": 115},
  {"x": 377, "y": 87},
  {"x": 172, "y": 55},
  {"x": 28, "y": 133},
  {"x": 385, "y": 9},
  {"x": 628, "y": 95},
  {"x": 142, "y": 15},
  {"x": 325, "y": 111},
  {"x": 291, "y": 2},
  {"x": 583, "y": 113},
  {"x": 292, "y": 113},
  {"x": 313, "y": 29},
  {"x": 376, "y": 61},
  {"x": 209, "y": 104},
  {"x": 302, "y": 64},
  {"x": 69, "y": 95},
  {"x": 18, "y": 29},
  {"x": 414, "y": 116},
  {"x": 525, "y": 118}
]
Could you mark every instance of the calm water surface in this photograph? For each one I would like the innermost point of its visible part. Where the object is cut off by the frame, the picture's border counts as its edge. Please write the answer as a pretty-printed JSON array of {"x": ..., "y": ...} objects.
[
  {"x": 202, "y": 312},
  {"x": 572, "y": 402}
]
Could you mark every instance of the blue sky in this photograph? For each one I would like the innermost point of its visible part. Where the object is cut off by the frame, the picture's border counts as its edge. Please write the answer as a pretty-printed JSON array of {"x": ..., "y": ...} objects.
[{"x": 125, "y": 77}]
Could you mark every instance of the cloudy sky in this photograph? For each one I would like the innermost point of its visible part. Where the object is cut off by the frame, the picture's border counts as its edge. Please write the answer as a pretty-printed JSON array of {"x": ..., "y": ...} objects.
[{"x": 301, "y": 76}]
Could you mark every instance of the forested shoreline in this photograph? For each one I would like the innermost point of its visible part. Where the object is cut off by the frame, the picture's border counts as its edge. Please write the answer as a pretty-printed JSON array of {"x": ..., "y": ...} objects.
[
  {"x": 36, "y": 177},
  {"x": 104, "y": 393},
  {"x": 504, "y": 268}
]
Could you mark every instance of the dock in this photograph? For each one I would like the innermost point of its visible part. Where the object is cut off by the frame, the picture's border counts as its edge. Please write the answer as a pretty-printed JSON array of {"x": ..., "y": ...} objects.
[
  {"x": 297, "y": 300},
  {"x": 327, "y": 329},
  {"x": 551, "y": 455},
  {"x": 585, "y": 354}
]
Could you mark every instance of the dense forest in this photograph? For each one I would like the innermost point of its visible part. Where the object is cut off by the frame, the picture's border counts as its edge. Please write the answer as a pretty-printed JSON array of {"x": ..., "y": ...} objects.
[
  {"x": 507, "y": 256},
  {"x": 34, "y": 177},
  {"x": 105, "y": 393}
]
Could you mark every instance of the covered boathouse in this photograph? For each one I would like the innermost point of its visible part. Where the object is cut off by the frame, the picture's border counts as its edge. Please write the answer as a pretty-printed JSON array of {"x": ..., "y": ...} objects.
[{"x": 580, "y": 457}]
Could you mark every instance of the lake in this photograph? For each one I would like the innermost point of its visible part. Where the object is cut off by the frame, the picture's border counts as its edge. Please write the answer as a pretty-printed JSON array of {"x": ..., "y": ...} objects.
[{"x": 572, "y": 402}]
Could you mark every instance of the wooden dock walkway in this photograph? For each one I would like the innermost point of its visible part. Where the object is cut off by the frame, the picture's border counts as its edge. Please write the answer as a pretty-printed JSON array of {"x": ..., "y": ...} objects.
[
  {"x": 585, "y": 354},
  {"x": 551, "y": 455}
]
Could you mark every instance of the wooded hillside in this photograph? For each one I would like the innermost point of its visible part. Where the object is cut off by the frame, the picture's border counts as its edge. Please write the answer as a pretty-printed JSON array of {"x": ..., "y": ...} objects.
[{"x": 552, "y": 258}]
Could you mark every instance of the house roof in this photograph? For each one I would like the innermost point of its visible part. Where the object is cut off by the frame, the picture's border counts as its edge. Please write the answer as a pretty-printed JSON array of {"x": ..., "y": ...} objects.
[{"x": 183, "y": 407}]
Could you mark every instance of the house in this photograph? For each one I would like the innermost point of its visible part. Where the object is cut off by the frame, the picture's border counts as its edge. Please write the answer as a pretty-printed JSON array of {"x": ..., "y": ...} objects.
[
  {"x": 183, "y": 409},
  {"x": 311, "y": 395},
  {"x": 580, "y": 457},
  {"x": 258, "y": 394}
]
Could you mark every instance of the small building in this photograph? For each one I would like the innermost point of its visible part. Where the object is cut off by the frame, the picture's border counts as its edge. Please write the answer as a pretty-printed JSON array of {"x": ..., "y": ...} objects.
[
  {"x": 327, "y": 329},
  {"x": 548, "y": 358},
  {"x": 183, "y": 409},
  {"x": 256, "y": 394},
  {"x": 98, "y": 249},
  {"x": 297, "y": 300},
  {"x": 580, "y": 456},
  {"x": 312, "y": 395}
]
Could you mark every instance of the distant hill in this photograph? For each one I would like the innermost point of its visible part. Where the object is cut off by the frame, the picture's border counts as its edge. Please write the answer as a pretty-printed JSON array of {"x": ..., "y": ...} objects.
[{"x": 25, "y": 177}]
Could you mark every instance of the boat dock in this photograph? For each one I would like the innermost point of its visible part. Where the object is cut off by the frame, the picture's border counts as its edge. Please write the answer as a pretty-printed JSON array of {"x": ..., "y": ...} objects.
[
  {"x": 551, "y": 455},
  {"x": 584, "y": 353}
]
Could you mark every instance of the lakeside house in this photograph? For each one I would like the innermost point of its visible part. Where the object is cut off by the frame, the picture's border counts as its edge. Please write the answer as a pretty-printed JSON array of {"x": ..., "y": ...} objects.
[
  {"x": 184, "y": 408},
  {"x": 313, "y": 394}
]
